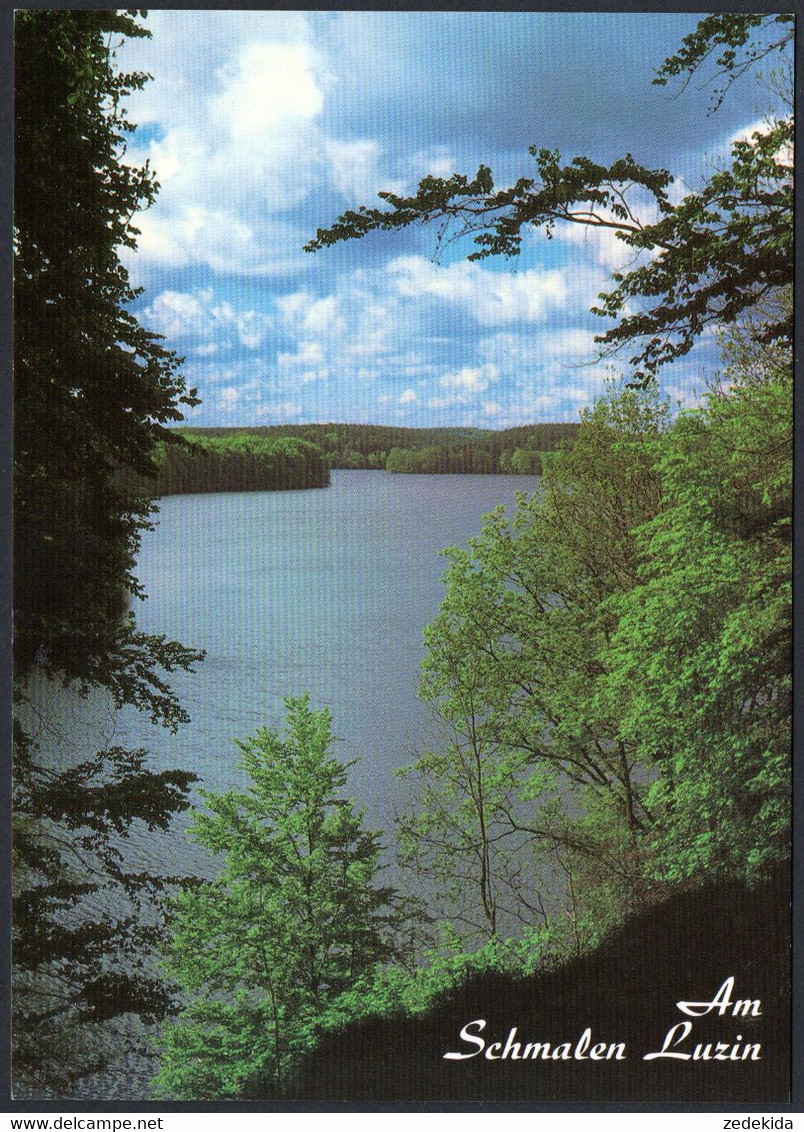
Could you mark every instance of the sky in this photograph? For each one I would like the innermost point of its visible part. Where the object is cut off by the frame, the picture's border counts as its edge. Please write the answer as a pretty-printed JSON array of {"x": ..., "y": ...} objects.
[{"x": 264, "y": 126}]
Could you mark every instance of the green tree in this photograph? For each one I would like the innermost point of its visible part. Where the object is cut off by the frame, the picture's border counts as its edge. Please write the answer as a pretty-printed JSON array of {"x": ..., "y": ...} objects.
[
  {"x": 85, "y": 922},
  {"x": 712, "y": 256},
  {"x": 534, "y": 768},
  {"x": 526, "y": 462},
  {"x": 93, "y": 388},
  {"x": 93, "y": 392},
  {"x": 295, "y": 918},
  {"x": 701, "y": 659},
  {"x": 612, "y": 667}
]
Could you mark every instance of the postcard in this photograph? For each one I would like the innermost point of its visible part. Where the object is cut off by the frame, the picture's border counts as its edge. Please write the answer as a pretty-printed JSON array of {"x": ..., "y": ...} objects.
[{"x": 403, "y": 557}]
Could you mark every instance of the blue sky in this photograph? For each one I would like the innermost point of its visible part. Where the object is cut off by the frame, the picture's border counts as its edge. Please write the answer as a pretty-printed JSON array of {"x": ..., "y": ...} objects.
[{"x": 264, "y": 126}]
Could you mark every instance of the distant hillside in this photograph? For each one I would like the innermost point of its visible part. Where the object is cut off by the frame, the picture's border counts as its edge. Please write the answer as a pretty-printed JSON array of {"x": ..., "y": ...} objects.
[
  {"x": 625, "y": 991},
  {"x": 515, "y": 450}
]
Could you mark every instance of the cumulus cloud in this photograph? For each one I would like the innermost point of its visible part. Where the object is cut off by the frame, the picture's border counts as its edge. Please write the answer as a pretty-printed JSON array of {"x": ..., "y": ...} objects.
[
  {"x": 199, "y": 322},
  {"x": 358, "y": 170},
  {"x": 228, "y": 399},
  {"x": 279, "y": 410},
  {"x": 490, "y": 297},
  {"x": 470, "y": 379},
  {"x": 271, "y": 86},
  {"x": 234, "y": 152},
  {"x": 264, "y": 125}
]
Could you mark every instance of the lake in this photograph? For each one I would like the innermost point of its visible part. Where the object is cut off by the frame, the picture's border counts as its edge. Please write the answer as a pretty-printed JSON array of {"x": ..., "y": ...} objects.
[{"x": 325, "y": 591}]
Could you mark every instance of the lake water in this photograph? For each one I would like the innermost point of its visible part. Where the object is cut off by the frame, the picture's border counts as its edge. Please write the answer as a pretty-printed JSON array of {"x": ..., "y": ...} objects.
[{"x": 325, "y": 591}]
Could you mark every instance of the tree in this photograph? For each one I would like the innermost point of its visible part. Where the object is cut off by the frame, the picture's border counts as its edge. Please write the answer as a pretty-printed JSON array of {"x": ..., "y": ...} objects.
[
  {"x": 294, "y": 919},
  {"x": 85, "y": 922},
  {"x": 93, "y": 392},
  {"x": 93, "y": 389},
  {"x": 701, "y": 658},
  {"x": 535, "y": 769},
  {"x": 613, "y": 667},
  {"x": 713, "y": 256},
  {"x": 455, "y": 834},
  {"x": 609, "y": 649}
]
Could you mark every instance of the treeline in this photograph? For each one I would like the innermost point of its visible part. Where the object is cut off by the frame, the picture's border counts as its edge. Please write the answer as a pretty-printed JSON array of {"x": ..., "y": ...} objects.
[
  {"x": 455, "y": 450},
  {"x": 238, "y": 462},
  {"x": 464, "y": 458}
]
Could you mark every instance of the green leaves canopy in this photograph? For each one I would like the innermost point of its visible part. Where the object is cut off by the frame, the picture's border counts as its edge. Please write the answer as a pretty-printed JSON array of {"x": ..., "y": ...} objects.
[
  {"x": 613, "y": 666},
  {"x": 294, "y": 919},
  {"x": 93, "y": 392},
  {"x": 701, "y": 659},
  {"x": 513, "y": 667}
]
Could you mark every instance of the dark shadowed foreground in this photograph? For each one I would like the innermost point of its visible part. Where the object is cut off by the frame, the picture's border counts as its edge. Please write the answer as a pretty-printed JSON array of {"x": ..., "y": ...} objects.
[{"x": 624, "y": 992}]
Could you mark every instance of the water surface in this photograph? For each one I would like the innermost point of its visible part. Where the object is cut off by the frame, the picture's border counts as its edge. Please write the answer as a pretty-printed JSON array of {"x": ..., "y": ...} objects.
[{"x": 325, "y": 591}]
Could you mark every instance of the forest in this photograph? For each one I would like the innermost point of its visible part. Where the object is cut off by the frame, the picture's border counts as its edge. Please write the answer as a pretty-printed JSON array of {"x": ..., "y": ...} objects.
[
  {"x": 450, "y": 450},
  {"x": 610, "y": 666},
  {"x": 240, "y": 462},
  {"x": 279, "y": 458}
]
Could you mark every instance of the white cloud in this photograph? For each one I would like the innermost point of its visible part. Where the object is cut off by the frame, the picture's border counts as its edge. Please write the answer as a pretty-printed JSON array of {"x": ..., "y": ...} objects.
[
  {"x": 272, "y": 86},
  {"x": 240, "y": 144},
  {"x": 489, "y": 297},
  {"x": 252, "y": 328},
  {"x": 470, "y": 379},
  {"x": 745, "y": 133},
  {"x": 228, "y": 399},
  {"x": 570, "y": 344},
  {"x": 760, "y": 126},
  {"x": 356, "y": 168},
  {"x": 408, "y": 397},
  {"x": 304, "y": 313},
  {"x": 180, "y": 315},
  {"x": 279, "y": 410}
]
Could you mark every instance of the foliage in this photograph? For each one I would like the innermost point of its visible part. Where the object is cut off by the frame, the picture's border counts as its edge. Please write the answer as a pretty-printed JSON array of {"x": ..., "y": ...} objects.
[
  {"x": 708, "y": 259},
  {"x": 600, "y": 665},
  {"x": 447, "y": 450},
  {"x": 730, "y": 33},
  {"x": 512, "y": 669},
  {"x": 84, "y": 921},
  {"x": 239, "y": 461},
  {"x": 93, "y": 389},
  {"x": 612, "y": 667},
  {"x": 701, "y": 673},
  {"x": 394, "y": 991},
  {"x": 93, "y": 393},
  {"x": 295, "y": 918}
]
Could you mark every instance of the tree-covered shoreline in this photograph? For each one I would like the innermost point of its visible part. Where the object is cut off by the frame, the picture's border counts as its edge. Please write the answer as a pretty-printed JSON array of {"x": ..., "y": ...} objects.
[
  {"x": 238, "y": 462},
  {"x": 473, "y": 451}
]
